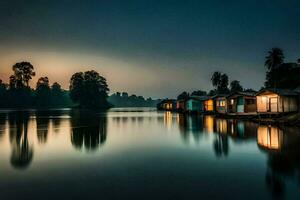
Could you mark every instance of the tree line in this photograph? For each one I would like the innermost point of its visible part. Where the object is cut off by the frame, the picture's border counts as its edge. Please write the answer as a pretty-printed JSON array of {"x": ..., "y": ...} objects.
[
  {"x": 119, "y": 99},
  {"x": 279, "y": 74},
  {"x": 87, "y": 89}
]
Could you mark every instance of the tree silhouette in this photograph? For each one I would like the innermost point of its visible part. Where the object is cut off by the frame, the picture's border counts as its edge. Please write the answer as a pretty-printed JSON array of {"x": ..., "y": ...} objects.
[
  {"x": 183, "y": 95},
  {"x": 89, "y": 89},
  {"x": 22, "y": 152},
  {"x": 216, "y": 79},
  {"x": 235, "y": 86},
  {"x": 274, "y": 58},
  {"x": 224, "y": 83},
  {"x": 42, "y": 126},
  {"x": 42, "y": 92},
  {"x": 3, "y": 93},
  {"x": 220, "y": 82},
  {"x": 88, "y": 130},
  {"x": 198, "y": 93},
  {"x": 23, "y": 72}
]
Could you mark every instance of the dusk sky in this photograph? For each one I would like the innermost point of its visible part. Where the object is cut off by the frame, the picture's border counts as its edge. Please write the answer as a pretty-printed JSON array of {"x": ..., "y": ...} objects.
[{"x": 151, "y": 48}]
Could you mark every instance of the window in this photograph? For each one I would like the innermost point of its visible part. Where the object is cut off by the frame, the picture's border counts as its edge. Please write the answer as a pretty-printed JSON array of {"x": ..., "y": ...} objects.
[
  {"x": 250, "y": 101},
  {"x": 231, "y": 101},
  {"x": 221, "y": 103}
]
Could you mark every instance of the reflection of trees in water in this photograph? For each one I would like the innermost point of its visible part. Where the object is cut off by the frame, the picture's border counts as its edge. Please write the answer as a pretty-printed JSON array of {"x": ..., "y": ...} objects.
[
  {"x": 2, "y": 125},
  {"x": 220, "y": 145},
  {"x": 22, "y": 152},
  {"x": 42, "y": 125},
  {"x": 284, "y": 161},
  {"x": 56, "y": 118},
  {"x": 88, "y": 130}
]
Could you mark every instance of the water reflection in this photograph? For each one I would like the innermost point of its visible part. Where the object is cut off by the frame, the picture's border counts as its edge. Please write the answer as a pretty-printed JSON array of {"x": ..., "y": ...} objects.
[
  {"x": 88, "y": 130},
  {"x": 2, "y": 125},
  {"x": 270, "y": 138},
  {"x": 281, "y": 144},
  {"x": 283, "y": 149},
  {"x": 69, "y": 136},
  {"x": 21, "y": 149},
  {"x": 42, "y": 126},
  {"x": 190, "y": 126}
]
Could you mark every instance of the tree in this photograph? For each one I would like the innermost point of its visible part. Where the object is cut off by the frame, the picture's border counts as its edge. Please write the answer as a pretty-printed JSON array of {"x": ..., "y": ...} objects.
[
  {"x": 285, "y": 76},
  {"x": 280, "y": 74},
  {"x": 125, "y": 94},
  {"x": 43, "y": 92},
  {"x": 12, "y": 82},
  {"x": 89, "y": 89},
  {"x": 42, "y": 83},
  {"x": 216, "y": 79},
  {"x": 56, "y": 88},
  {"x": 224, "y": 83},
  {"x": 198, "y": 93},
  {"x": 235, "y": 86},
  {"x": 183, "y": 95},
  {"x": 220, "y": 82},
  {"x": 274, "y": 58},
  {"x": 3, "y": 94},
  {"x": 23, "y": 72}
]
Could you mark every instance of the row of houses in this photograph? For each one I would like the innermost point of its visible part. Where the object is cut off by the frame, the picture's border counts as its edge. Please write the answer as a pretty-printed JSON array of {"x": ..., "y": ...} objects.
[{"x": 266, "y": 101}]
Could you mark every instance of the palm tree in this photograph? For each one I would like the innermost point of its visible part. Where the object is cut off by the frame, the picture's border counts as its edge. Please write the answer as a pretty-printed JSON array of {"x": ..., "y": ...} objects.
[
  {"x": 274, "y": 58},
  {"x": 224, "y": 81}
]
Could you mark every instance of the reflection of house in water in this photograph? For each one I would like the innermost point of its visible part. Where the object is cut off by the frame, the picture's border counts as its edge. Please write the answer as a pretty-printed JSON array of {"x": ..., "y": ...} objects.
[
  {"x": 190, "y": 125},
  {"x": 208, "y": 123},
  {"x": 220, "y": 126},
  {"x": 283, "y": 149},
  {"x": 269, "y": 137},
  {"x": 168, "y": 117},
  {"x": 235, "y": 128}
]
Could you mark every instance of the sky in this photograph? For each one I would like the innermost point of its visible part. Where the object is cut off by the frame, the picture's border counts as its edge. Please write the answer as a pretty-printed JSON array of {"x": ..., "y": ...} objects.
[{"x": 155, "y": 48}]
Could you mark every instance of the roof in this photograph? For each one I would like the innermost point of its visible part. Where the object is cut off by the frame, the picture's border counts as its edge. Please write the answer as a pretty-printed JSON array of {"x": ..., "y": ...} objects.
[
  {"x": 199, "y": 98},
  {"x": 281, "y": 92},
  {"x": 297, "y": 90},
  {"x": 219, "y": 95},
  {"x": 168, "y": 101},
  {"x": 248, "y": 94}
]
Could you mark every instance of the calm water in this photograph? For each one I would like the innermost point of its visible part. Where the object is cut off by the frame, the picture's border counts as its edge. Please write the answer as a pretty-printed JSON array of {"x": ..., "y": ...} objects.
[{"x": 144, "y": 154}]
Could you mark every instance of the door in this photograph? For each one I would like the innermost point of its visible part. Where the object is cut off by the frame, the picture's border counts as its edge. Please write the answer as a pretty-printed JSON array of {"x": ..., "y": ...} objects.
[
  {"x": 240, "y": 104},
  {"x": 274, "y": 104}
]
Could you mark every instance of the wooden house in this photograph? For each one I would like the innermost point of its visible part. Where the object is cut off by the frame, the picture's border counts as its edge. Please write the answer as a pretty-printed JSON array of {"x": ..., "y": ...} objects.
[
  {"x": 242, "y": 102},
  {"x": 274, "y": 101},
  {"x": 167, "y": 104},
  {"x": 180, "y": 105},
  {"x": 195, "y": 104},
  {"x": 220, "y": 102},
  {"x": 208, "y": 105}
]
